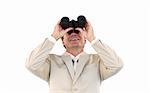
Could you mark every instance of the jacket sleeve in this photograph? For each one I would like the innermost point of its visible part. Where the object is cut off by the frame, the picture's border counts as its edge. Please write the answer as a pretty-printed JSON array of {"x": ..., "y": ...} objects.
[
  {"x": 110, "y": 63},
  {"x": 38, "y": 62}
]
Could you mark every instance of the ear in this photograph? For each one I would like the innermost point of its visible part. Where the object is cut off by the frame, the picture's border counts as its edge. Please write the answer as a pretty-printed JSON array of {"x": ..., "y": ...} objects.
[
  {"x": 62, "y": 39},
  {"x": 85, "y": 37},
  {"x": 63, "y": 42},
  {"x": 85, "y": 41}
]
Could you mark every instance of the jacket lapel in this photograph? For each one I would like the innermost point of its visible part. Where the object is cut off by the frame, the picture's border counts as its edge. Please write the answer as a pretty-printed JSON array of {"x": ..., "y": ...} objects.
[
  {"x": 80, "y": 66},
  {"x": 68, "y": 62}
]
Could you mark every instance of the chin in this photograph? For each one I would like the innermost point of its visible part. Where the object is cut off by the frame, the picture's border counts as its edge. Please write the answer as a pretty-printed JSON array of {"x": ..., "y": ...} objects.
[{"x": 75, "y": 45}]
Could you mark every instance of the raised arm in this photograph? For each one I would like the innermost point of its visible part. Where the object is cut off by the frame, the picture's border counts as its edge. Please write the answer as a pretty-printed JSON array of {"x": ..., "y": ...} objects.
[
  {"x": 39, "y": 60},
  {"x": 110, "y": 63}
]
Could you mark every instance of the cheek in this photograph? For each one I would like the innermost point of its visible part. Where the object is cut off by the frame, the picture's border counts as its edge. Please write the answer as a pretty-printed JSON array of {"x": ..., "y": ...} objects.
[
  {"x": 65, "y": 41},
  {"x": 82, "y": 41},
  {"x": 83, "y": 38}
]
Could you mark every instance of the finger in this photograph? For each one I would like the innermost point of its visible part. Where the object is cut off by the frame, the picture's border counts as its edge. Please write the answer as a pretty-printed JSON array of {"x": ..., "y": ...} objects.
[
  {"x": 58, "y": 22},
  {"x": 88, "y": 25},
  {"x": 88, "y": 22},
  {"x": 57, "y": 25},
  {"x": 65, "y": 31},
  {"x": 84, "y": 29},
  {"x": 79, "y": 29},
  {"x": 68, "y": 29}
]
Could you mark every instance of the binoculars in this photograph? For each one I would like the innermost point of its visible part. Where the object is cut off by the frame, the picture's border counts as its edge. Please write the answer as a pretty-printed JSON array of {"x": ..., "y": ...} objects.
[{"x": 66, "y": 23}]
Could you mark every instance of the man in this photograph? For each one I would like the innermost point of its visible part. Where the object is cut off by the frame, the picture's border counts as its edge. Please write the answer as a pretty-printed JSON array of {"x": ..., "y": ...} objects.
[{"x": 75, "y": 71}]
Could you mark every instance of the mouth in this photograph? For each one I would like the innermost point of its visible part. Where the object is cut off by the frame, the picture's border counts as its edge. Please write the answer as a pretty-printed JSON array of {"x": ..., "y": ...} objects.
[{"x": 74, "y": 39}]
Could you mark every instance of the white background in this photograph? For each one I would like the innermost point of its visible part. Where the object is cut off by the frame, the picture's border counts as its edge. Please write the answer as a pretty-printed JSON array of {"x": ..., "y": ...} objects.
[{"x": 122, "y": 24}]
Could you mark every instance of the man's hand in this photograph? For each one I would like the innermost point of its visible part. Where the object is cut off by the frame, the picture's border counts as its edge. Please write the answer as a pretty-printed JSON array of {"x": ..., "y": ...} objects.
[
  {"x": 59, "y": 32},
  {"x": 88, "y": 32}
]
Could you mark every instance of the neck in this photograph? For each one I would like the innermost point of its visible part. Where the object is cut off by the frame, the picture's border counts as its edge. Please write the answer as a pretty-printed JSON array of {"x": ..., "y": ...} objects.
[{"x": 74, "y": 52}]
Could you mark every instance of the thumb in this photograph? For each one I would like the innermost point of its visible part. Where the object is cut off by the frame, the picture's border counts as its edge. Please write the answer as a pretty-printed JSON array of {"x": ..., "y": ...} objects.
[{"x": 66, "y": 30}]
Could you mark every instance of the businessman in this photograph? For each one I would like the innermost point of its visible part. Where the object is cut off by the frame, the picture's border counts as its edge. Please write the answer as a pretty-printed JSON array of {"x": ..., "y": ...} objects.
[{"x": 74, "y": 71}]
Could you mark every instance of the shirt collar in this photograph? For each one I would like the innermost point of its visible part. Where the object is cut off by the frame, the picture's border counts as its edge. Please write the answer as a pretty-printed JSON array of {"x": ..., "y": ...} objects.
[{"x": 74, "y": 57}]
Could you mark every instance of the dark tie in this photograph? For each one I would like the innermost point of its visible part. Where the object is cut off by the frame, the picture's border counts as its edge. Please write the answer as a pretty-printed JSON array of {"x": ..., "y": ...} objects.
[{"x": 74, "y": 61}]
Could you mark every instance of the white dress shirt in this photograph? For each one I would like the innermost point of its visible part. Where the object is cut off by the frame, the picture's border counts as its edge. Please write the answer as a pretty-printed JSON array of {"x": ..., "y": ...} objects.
[{"x": 74, "y": 58}]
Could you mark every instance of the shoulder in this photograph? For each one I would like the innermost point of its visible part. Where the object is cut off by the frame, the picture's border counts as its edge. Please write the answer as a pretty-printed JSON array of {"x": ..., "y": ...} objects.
[
  {"x": 53, "y": 56},
  {"x": 94, "y": 57}
]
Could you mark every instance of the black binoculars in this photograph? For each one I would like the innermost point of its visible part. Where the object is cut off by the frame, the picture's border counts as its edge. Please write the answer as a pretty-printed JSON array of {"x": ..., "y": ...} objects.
[{"x": 66, "y": 23}]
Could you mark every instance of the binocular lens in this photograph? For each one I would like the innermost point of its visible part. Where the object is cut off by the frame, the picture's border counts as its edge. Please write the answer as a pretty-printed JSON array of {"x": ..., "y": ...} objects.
[{"x": 71, "y": 31}]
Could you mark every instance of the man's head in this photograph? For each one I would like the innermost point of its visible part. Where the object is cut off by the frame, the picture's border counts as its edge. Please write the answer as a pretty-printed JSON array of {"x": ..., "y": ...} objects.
[
  {"x": 74, "y": 39},
  {"x": 74, "y": 36}
]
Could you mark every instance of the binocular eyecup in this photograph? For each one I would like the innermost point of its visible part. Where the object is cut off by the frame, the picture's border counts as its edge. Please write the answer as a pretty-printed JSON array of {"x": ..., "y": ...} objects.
[{"x": 66, "y": 23}]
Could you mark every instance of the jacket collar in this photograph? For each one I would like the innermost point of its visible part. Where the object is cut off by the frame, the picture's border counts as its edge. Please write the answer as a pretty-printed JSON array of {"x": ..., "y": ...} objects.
[{"x": 80, "y": 66}]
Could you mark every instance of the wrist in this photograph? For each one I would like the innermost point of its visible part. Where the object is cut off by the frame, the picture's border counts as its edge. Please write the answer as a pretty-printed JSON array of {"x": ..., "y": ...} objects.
[{"x": 55, "y": 37}]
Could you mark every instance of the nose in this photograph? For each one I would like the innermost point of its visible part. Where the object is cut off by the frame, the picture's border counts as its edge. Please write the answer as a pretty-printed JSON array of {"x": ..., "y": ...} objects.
[{"x": 73, "y": 34}]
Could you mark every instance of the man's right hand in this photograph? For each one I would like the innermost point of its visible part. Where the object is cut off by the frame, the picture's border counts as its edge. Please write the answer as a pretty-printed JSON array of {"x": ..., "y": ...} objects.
[{"x": 59, "y": 32}]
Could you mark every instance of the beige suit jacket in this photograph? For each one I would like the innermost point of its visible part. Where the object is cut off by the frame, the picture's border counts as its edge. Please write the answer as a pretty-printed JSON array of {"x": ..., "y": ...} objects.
[{"x": 58, "y": 71}]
